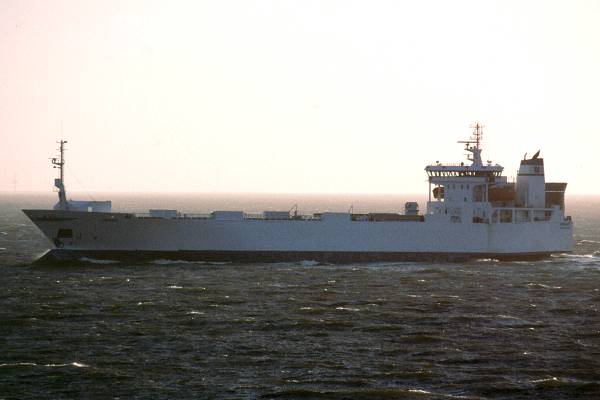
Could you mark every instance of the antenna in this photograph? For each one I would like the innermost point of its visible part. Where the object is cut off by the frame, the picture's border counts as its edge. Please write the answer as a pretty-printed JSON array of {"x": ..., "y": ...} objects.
[
  {"x": 476, "y": 139},
  {"x": 477, "y": 133},
  {"x": 61, "y": 161}
]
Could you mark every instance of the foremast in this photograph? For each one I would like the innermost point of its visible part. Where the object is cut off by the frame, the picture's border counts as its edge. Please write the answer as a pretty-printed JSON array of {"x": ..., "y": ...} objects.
[{"x": 59, "y": 183}]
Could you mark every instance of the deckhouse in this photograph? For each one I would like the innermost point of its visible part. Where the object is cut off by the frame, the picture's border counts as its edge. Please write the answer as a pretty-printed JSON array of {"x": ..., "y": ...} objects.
[{"x": 479, "y": 193}]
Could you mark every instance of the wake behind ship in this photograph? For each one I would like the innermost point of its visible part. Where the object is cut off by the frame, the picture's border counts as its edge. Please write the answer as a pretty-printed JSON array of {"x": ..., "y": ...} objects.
[{"x": 472, "y": 212}]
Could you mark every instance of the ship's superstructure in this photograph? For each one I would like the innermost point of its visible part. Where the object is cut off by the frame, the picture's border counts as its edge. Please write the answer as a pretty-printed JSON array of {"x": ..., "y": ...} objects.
[
  {"x": 473, "y": 211},
  {"x": 480, "y": 193}
]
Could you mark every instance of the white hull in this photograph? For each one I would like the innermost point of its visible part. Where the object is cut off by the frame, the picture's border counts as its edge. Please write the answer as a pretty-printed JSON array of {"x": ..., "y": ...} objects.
[{"x": 119, "y": 233}]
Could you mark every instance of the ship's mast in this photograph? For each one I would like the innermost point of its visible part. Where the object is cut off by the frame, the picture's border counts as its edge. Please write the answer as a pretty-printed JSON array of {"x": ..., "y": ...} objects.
[
  {"x": 60, "y": 182},
  {"x": 475, "y": 139}
]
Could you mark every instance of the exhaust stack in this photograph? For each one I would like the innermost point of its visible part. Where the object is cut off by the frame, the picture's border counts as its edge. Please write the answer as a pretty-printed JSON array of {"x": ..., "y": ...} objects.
[{"x": 531, "y": 183}]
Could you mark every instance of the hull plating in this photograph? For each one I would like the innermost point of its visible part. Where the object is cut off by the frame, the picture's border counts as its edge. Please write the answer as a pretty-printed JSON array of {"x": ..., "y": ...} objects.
[{"x": 125, "y": 237}]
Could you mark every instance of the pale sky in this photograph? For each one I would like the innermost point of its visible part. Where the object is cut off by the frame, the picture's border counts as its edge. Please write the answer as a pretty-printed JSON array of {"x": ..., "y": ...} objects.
[{"x": 294, "y": 96}]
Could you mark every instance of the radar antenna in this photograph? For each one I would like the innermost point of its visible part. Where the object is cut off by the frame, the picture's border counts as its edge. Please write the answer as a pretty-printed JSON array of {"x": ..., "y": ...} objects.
[
  {"x": 476, "y": 139},
  {"x": 477, "y": 136}
]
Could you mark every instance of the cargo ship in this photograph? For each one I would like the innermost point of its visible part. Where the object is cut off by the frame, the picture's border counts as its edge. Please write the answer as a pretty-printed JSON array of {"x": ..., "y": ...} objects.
[{"x": 472, "y": 212}]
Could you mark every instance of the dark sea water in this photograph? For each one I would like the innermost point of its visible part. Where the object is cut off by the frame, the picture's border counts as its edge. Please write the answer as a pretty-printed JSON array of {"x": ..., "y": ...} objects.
[{"x": 479, "y": 330}]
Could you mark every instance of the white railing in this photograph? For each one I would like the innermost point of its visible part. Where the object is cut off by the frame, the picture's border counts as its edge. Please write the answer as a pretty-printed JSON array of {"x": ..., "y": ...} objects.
[
  {"x": 517, "y": 215},
  {"x": 247, "y": 216},
  {"x": 196, "y": 216}
]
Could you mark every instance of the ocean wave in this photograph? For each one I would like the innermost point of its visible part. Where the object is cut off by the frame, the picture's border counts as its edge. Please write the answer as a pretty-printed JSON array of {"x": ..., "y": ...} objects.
[
  {"x": 568, "y": 255},
  {"x": 555, "y": 382},
  {"x": 97, "y": 261},
  {"x": 578, "y": 260},
  {"x": 542, "y": 286},
  {"x": 308, "y": 263},
  {"x": 21, "y": 364},
  {"x": 590, "y": 255},
  {"x": 504, "y": 316},
  {"x": 347, "y": 309},
  {"x": 487, "y": 260},
  {"x": 442, "y": 395},
  {"x": 164, "y": 261},
  {"x": 377, "y": 393},
  {"x": 32, "y": 364},
  {"x": 79, "y": 365}
]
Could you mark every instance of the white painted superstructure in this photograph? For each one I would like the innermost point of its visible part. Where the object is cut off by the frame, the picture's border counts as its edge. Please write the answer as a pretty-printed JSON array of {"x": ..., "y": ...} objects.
[{"x": 472, "y": 212}]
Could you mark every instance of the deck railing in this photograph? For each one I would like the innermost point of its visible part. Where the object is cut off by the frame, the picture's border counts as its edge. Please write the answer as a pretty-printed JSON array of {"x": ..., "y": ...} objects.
[
  {"x": 521, "y": 215},
  {"x": 246, "y": 216}
]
